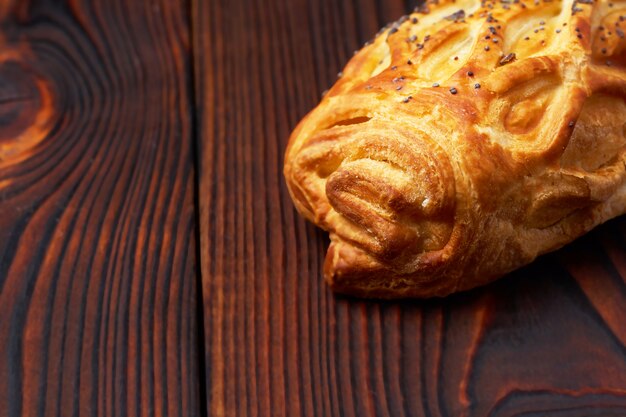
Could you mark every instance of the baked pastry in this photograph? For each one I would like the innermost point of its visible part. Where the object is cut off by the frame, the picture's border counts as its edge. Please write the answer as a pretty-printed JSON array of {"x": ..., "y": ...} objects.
[{"x": 465, "y": 140}]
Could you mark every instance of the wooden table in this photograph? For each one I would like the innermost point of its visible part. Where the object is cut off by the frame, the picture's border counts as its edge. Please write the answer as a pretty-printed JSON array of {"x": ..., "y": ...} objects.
[{"x": 151, "y": 262}]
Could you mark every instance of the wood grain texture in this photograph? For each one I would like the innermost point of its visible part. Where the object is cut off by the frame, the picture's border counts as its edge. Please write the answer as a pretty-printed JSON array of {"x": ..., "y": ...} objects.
[
  {"x": 97, "y": 225},
  {"x": 548, "y": 340}
]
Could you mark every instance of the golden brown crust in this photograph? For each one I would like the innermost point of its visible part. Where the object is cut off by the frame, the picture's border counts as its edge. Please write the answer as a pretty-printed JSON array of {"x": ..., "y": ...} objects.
[{"x": 464, "y": 141}]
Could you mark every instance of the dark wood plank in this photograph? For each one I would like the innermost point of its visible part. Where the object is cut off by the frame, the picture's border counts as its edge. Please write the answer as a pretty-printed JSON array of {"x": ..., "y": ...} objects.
[
  {"x": 97, "y": 244},
  {"x": 549, "y": 340}
]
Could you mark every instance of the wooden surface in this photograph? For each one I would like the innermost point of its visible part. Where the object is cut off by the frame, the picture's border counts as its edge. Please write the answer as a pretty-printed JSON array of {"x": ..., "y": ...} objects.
[
  {"x": 141, "y": 147},
  {"x": 549, "y": 340},
  {"x": 97, "y": 226}
]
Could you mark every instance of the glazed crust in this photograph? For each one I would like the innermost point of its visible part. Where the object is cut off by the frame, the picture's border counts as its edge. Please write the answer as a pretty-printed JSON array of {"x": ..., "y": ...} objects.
[{"x": 465, "y": 140}]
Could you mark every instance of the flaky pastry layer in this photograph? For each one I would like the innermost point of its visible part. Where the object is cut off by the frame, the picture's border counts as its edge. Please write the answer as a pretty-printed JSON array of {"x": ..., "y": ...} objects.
[{"x": 465, "y": 140}]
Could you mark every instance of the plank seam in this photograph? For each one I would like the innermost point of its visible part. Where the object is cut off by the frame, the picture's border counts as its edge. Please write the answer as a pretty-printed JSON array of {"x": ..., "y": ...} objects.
[{"x": 196, "y": 148}]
